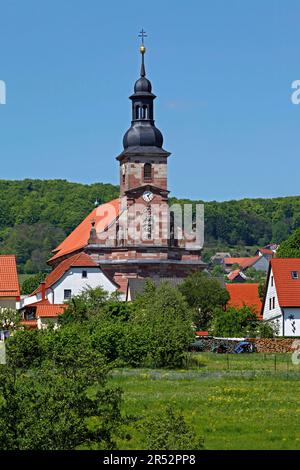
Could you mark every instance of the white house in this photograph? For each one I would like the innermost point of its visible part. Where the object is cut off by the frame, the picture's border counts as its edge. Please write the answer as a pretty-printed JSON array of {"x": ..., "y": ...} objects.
[
  {"x": 282, "y": 299},
  {"x": 70, "y": 278}
]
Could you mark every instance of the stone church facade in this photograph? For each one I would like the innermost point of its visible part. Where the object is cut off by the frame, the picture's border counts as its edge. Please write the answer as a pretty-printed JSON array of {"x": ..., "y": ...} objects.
[{"x": 137, "y": 235}]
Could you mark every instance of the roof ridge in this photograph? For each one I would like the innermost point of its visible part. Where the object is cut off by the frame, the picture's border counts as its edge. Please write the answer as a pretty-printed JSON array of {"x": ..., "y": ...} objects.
[{"x": 78, "y": 238}]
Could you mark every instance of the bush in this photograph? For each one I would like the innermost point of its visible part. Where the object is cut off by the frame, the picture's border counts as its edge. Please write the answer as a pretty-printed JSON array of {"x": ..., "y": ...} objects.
[
  {"x": 85, "y": 306},
  {"x": 163, "y": 312},
  {"x": 203, "y": 294},
  {"x": 23, "y": 349},
  {"x": 58, "y": 409},
  {"x": 107, "y": 338},
  {"x": 170, "y": 432},
  {"x": 134, "y": 349},
  {"x": 234, "y": 322}
]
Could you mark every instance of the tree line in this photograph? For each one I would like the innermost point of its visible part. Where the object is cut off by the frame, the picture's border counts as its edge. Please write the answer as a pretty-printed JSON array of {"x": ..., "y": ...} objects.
[{"x": 36, "y": 215}]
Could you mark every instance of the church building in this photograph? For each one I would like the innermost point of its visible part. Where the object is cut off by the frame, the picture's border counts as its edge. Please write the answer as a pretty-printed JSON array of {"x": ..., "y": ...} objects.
[{"x": 137, "y": 235}]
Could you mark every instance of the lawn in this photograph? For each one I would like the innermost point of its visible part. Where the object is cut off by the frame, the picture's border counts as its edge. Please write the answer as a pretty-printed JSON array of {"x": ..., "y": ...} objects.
[{"x": 246, "y": 405}]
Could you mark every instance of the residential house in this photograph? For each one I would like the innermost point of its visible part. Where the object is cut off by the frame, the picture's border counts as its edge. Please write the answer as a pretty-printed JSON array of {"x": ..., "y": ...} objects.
[
  {"x": 70, "y": 278},
  {"x": 237, "y": 276},
  {"x": 9, "y": 282},
  {"x": 259, "y": 263},
  {"x": 266, "y": 252},
  {"x": 236, "y": 268},
  {"x": 41, "y": 314},
  {"x": 282, "y": 300}
]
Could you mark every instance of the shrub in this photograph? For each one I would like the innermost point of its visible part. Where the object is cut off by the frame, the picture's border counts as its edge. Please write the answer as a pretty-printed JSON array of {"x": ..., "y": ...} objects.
[
  {"x": 234, "y": 322},
  {"x": 163, "y": 312},
  {"x": 170, "y": 432},
  {"x": 203, "y": 294}
]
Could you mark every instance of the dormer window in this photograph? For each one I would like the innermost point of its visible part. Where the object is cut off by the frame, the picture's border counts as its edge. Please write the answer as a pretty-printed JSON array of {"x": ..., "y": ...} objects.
[{"x": 295, "y": 274}]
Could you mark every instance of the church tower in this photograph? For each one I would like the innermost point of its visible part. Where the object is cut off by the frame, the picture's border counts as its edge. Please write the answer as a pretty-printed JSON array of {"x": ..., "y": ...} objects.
[
  {"x": 143, "y": 169},
  {"x": 138, "y": 235},
  {"x": 143, "y": 162}
]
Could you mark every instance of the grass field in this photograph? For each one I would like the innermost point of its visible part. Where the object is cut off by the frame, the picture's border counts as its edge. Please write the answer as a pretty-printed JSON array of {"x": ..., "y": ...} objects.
[{"x": 254, "y": 403}]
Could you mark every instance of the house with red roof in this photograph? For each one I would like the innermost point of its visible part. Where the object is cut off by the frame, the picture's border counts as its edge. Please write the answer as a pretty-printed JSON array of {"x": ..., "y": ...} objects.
[
  {"x": 70, "y": 278},
  {"x": 282, "y": 300},
  {"x": 9, "y": 282},
  {"x": 237, "y": 275},
  {"x": 41, "y": 314},
  {"x": 266, "y": 252},
  {"x": 259, "y": 263},
  {"x": 245, "y": 295},
  {"x": 236, "y": 268}
]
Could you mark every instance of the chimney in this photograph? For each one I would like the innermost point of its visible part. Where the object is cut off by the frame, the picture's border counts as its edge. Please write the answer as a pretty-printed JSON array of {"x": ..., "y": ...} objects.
[{"x": 43, "y": 285}]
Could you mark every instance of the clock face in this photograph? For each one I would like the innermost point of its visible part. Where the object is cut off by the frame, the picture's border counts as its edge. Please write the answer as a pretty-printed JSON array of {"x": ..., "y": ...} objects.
[{"x": 148, "y": 196}]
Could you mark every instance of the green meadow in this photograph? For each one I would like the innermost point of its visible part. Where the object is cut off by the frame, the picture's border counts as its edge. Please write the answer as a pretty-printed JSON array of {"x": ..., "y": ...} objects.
[{"x": 252, "y": 402}]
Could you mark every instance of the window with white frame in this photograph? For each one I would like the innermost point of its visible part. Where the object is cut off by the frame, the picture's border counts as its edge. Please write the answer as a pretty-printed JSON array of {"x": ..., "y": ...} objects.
[
  {"x": 295, "y": 274},
  {"x": 67, "y": 294}
]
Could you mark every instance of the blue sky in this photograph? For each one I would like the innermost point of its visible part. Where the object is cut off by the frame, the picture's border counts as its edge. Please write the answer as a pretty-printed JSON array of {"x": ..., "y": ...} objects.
[{"x": 222, "y": 71}]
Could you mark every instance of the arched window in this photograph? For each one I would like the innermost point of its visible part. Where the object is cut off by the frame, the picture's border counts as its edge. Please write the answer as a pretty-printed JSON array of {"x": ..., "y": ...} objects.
[
  {"x": 145, "y": 112},
  {"x": 147, "y": 171},
  {"x": 137, "y": 112}
]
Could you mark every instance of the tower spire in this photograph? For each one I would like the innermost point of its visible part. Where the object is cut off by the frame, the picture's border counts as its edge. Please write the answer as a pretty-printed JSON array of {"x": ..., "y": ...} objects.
[
  {"x": 143, "y": 134},
  {"x": 143, "y": 51}
]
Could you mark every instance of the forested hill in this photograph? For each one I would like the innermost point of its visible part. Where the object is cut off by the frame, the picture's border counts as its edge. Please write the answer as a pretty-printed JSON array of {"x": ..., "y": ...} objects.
[{"x": 36, "y": 215}]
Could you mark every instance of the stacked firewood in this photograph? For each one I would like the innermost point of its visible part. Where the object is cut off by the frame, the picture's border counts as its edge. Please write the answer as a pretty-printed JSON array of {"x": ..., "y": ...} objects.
[{"x": 266, "y": 345}]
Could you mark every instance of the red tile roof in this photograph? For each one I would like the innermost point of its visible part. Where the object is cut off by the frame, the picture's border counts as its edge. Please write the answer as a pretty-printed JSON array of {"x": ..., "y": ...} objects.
[
  {"x": 233, "y": 274},
  {"x": 202, "y": 333},
  {"x": 103, "y": 216},
  {"x": 244, "y": 294},
  {"x": 50, "y": 311},
  {"x": 9, "y": 282},
  {"x": 80, "y": 260},
  {"x": 29, "y": 323},
  {"x": 266, "y": 251},
  {"x": 243, "y": 262},
  {"x": 288, "y": 289},
  {"x": 43, "y": 309}
]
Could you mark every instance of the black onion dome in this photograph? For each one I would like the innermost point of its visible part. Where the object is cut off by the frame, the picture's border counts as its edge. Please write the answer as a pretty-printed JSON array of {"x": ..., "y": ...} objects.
[
  {"x": 142, "y": 132},
  {"x": 143, "y": 135},
  {"x": 142, "y": 85}
]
